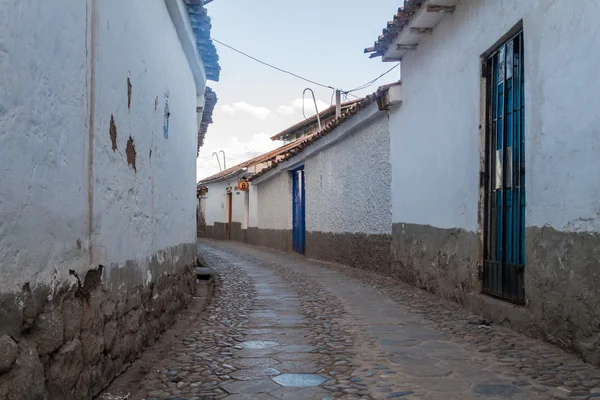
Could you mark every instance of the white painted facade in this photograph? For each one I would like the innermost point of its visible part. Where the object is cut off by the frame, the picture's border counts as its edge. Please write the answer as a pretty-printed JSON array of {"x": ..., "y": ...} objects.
[
  {"x": 69, "y": 70},
  {"x": 253, "y": 207},
  {"x": 216, "y": 202},
  {"x": 274, "y": 202},
  {"x": 348, "y": 184},
  {"x": 43, "y": 141},
  {"x": 435, "y": 134}
]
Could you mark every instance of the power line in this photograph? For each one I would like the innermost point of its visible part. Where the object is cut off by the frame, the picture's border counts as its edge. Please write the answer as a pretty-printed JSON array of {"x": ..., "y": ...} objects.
[
  {"x": 346, "y": 92},
  {"x": 366, "y": 85},
  {"x": 272, "y": 66}
]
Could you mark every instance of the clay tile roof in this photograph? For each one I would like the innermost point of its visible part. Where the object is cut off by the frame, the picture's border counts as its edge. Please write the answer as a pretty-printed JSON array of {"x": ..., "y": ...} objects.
[
  {"x": 301, "y": 145},
  {"x": 328, "y": 112},
  {"x": 201, "y": 25},
  {"x": 284, "y": 153},
  {"x": 210, "y": 100},
  {"x": 394, "y": 27},
  {"x": 266, "y": 157}
]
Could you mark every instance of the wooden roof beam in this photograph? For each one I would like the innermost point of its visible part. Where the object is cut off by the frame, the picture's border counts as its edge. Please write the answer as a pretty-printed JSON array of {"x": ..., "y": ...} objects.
[
  {"x": 438, "y": 8},
  {"x": 402, "y": 47},
  {"x": 421, "y": 31}
]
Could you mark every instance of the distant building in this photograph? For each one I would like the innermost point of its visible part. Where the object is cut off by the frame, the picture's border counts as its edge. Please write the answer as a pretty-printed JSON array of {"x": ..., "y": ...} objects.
[
  {"x": 326, "y": 194},
  {"x": 103, "y": 105},
  {"x": 495, "y": 167}
]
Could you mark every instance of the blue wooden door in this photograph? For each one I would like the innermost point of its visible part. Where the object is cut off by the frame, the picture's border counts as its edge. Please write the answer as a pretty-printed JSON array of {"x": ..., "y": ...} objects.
[
  {"x": 298, "y": 211},
  {"x": 504, "y": 241}
]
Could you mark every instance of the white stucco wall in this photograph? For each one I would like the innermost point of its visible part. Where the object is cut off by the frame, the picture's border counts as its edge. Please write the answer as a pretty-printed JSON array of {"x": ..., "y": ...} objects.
[
  {"x": 45, "y": 158},
  {"x": 348, "y": 184},
  {"x": 137, "y": 39},
  {"x": 238, "y": 211},
  {"x": 275, "y": 202},
  {"x": 253, "y": 206},
  {"x": 216, "y": 202},
  {"x": 435, "y": 133},
  {"x": 43, "y": 138}
]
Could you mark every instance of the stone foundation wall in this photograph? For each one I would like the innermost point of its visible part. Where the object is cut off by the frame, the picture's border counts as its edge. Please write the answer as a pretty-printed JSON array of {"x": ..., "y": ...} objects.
[
  {"x": 562, "y": 281},
  {"x": 562, "y": 290},
  {"x": 279, "y": 239},
  {"x": 562, "y": 287},
  {"x": 217, "y": 231},
  {"x": 237, "y": 233},
  {"x": 442, "y": 261},
  {"x": 69, "y": 342},
  {"x": 368, "y": 252}
]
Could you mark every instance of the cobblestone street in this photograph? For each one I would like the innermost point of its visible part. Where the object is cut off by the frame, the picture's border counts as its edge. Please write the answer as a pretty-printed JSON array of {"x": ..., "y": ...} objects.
[{"x": 284, "y": 327}]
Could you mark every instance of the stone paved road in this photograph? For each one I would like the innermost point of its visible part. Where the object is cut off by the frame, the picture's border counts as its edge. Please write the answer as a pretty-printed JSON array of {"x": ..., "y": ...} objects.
[{"x": 283, "y": 327}]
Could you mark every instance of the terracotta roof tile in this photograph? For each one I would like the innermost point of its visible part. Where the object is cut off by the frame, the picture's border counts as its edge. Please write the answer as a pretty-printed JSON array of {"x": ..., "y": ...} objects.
[
  {"x": 271, "y": 155},
  {"x": 300, "y": 147},
  {"x": 350, "y": 111},
  {"x": 394, "y": 27},
  {"x": 201, "y": 26},
  {"x": 330, "y": 111},
  {"x": 210, "y": 100},
  {"x": 284, "y": 153}
]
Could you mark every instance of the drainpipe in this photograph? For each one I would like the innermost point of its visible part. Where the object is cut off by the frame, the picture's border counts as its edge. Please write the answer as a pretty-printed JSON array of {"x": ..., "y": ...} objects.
[{"x": 338, "y": 104}]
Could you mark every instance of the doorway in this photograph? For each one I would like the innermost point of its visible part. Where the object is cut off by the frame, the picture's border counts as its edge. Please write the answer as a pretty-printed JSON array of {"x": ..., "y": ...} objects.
[
  {"x": 504, "y": 233},
  {"x": 229, "y": 208},
  {"x": 298, "y": 211}
]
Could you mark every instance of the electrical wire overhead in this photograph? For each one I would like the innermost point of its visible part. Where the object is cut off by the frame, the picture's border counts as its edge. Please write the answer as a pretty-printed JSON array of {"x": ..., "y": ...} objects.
[
  {"x": 346, "y": 93},
  {"x": 366, "y": 85},
  {"x": 272, "y": 66}
]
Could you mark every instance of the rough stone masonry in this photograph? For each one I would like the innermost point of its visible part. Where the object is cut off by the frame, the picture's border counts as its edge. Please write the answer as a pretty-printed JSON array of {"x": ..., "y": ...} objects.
[{"x": 69, "y": 341}]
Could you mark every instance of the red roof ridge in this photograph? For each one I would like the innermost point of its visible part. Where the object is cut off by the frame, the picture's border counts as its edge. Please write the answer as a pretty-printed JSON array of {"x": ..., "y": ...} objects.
[
  {"x": 255, "y": 160},
  {"x": 312, "y": 119},
  {"x": 291, "y": 149}
]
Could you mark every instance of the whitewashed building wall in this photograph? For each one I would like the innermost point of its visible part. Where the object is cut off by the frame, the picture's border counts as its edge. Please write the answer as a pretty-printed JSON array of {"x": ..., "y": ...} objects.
[
  {"x": 348, "y": 197},
  {"x": 93, "y": 196},
  {"x": 436, "y": 149}
]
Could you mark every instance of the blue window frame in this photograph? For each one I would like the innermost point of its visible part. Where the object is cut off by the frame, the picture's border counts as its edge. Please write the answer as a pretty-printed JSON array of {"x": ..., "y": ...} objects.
[{"x": 504, "y": 184}]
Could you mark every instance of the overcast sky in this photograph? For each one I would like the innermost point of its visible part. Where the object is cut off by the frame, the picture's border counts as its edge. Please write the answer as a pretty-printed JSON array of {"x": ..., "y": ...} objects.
[{"x": 322, "y": 40}]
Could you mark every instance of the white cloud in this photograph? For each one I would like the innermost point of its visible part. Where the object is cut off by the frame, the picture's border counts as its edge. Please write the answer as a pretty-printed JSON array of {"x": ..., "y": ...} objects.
[
  {"x": 241, "y": 106},
  {"x": 295, "y": 107}
]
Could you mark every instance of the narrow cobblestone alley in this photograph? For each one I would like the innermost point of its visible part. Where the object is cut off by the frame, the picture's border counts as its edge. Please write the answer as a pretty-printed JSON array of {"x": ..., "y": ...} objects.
[{"x": 284, "y": 327}]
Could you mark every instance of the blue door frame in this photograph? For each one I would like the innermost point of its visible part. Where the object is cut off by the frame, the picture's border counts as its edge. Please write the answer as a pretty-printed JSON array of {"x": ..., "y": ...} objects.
[{"x": 298, "y": 211}]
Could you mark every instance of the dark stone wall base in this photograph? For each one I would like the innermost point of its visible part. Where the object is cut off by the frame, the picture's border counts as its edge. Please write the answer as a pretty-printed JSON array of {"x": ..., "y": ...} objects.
[
  {"x": 217, "y": 231},
  {"x": 200, "y": 223},
  {"x": 368, "y": 252},
  {"x": 562, "y": 288},
  {"x": 442, "y": 261},
  {"x": 72, "y": 346},
  {"x": 562, "y": 282},
  {"x": 237, "y": 233},
  {"x": 279, "y": 239}
]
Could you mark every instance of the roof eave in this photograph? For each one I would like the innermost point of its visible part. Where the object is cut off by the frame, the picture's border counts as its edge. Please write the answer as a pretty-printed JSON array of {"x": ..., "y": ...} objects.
[
  {"x": 222, "y": 178},
  {"x": 328, "y": 112},
  {"x": 181, "y": 21},
  {"x": 407, "y": 31}
]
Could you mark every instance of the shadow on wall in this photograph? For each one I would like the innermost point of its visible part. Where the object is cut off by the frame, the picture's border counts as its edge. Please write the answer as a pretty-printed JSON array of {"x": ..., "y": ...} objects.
[{"x": 200, "y": 223}]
